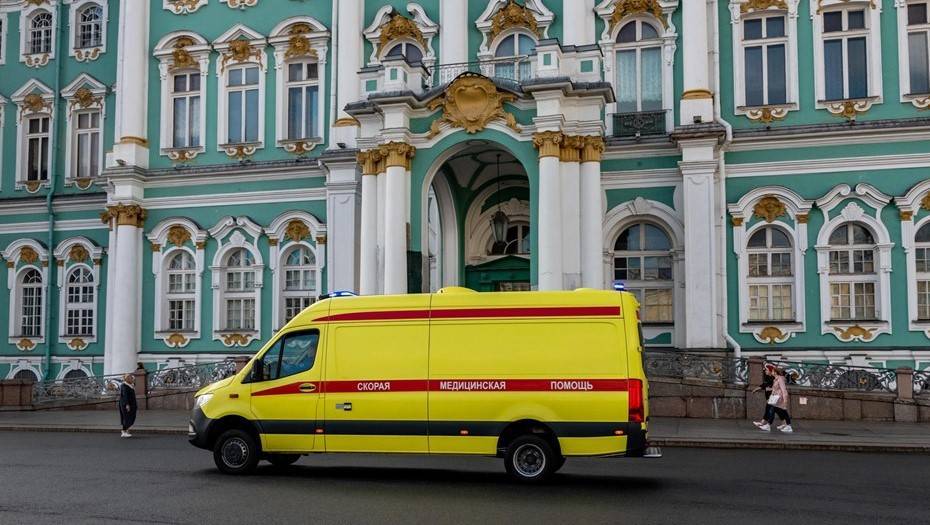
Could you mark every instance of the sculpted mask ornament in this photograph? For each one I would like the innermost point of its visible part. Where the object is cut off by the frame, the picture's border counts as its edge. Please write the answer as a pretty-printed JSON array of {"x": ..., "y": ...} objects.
[
  {"x": 471, "y": 102},
  {"x": 78, "y": 254},
  {"x": 399, "y": 26},
  {"x": 625, "y": 8},
  {"x": 84, "y": 98},
  {"x": 28, "y": 255},
  {"x": 34, "y": 103},
  {"x": 757, "y": 5},
  {"x": 925, "y": 202},
  {"x": 178, "y": 235},
  {"x": 299, "y": 45},
  {"x": 297, "y": 231},
  {"x": 769, "y": 208},
  {"x": 512, "y": 15},
  {"x": 241, "y": 51},
  {"x": 181, "y": 57}
]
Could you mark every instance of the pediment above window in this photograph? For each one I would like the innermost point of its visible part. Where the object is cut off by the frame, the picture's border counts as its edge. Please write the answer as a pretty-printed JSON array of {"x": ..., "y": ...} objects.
[
  {"x": 502, "y": 17},
  {"x": 391, "y": 27}
]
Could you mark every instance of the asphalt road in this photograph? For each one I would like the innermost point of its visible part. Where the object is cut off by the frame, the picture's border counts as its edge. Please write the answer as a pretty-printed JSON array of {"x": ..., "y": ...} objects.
[{"x": 99, "y": 478}]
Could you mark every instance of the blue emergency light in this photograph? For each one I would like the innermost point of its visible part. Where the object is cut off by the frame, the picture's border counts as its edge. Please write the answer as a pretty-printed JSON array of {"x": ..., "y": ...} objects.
[
  {"x": 619, "y": 286},
  {"x": 338, "y": 293}
]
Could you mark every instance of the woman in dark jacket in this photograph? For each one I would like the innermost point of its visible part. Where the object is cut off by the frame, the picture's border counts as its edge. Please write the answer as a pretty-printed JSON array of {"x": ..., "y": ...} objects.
[
  {"x": 127, "y": 404},
  {"x": 768, "y": 380}
]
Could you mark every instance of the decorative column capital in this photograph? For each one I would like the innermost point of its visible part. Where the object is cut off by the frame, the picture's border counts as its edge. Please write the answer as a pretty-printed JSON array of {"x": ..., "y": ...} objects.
[
  {"x": 397, "y": 154},
  {"x": 125, "y": 215},
  {"x": 570, "y": 150},
  {"x": 547, "y": 142},
  {"x": 593, "y": 149},
  {"x": 369, "y": 160}
]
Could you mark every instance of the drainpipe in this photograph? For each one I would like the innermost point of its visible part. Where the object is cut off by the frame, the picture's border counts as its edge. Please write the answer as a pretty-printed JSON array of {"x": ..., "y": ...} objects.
[
  {"x": 721, "y": 169},
  {"x": 334, "y": 77},
  {"x": 61, "y": 40}
]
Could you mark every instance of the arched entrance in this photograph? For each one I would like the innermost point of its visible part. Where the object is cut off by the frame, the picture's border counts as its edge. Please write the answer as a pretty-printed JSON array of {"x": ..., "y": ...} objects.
[{"x": 477, "y": 232}]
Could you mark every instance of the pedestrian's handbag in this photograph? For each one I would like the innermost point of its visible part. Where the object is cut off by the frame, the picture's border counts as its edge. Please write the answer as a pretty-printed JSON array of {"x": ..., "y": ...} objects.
[{"x": 773, "y": 399}]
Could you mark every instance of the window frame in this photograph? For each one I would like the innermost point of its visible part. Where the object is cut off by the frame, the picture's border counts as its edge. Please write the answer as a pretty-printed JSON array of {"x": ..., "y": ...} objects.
[
  {"x": 853, "y": 278},
  {"x": 278, "y": 346},
  {"x": 86, "y": 309},
  {"x": 244, "y": 294},
  {"x": 34, "y": 100},
  {"x": 872, "y": 34},
  {"x": 90, "y": 259},
  {"x": 304, "y": 85},
  {"x": 284, "y": 293},
  {"x": 196, "y": 53},
  {"x": 643, "y": 285},
  {"x": 638, "y": 46},
  {"x": 4, "y": 29},
  {"x": 75, "y": 13},
  {"x": 279, "y": 245},
  {"x": 921, "y": 275},
  {"x": 919, "y": 100},
  {"x": 27, "y": 15},
  {"x": 770, "y": 281},
  {"x": 234, "y": 234},
  {"x": 524, "y": 64}
]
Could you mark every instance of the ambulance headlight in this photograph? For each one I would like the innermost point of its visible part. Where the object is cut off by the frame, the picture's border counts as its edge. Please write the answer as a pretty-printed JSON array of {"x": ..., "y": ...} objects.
[{"x": 203, "y": 399}]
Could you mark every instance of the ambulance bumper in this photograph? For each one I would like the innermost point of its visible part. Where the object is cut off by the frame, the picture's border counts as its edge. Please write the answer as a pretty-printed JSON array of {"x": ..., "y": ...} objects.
[
  {"x": 198, "y": 429},
  {"x": 638, "y": 446}
]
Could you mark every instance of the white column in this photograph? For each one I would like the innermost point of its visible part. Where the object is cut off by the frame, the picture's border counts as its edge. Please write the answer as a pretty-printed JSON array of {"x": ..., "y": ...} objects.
[
  {"x": 349, "y": 59},
  {"x": 380, "y": 221},
  {"x": 697, "y": 99},
  {"x": 396, "y": 162},
  {"x": 131, "y": 137},
  {"x": 124, "y": 337},
  {"x": 592, "y": 214},
  {"x": 570, "y": 184},
  {"x": 342, "y": 207},
  {"x": 368, "y": 238},
  {"x": 577, "y": 22},
  {"x": 550, "y": 225},
  {"x": 453, "y": 46},
  {"x": 701, "y": 256}
]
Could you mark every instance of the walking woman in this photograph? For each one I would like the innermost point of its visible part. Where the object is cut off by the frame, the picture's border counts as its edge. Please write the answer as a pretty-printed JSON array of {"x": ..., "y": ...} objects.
[
  {"x": 768, "y": 379},
  {"x": 779, "y": 403},
  {"x": 127, "y": 404}
]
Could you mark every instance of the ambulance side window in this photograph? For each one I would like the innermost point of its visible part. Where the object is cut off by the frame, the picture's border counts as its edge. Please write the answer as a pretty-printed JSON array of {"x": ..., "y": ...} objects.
[{"x": 293, "y": 354}]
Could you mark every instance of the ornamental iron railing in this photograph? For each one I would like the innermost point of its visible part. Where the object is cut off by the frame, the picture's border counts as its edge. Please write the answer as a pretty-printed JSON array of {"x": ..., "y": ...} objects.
[
  {"x": 922, "y": 382},
  {"x": 840, "y": 377},
  {"x": 509, "y": 71},
  {"x": 639, "y": 124},
  {"x": 100, "y": 389},
  {"x": 697, "y": 366}
]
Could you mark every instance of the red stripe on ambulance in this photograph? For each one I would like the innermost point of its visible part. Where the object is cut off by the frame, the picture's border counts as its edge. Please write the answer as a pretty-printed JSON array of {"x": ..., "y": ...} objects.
[
  {"x": 474, "y": 313},
  {"x": 454, "y": 385}
]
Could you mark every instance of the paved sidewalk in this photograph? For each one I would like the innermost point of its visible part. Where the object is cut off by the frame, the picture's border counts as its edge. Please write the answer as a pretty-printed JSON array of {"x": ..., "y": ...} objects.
[{"x": 861, "y": 436}]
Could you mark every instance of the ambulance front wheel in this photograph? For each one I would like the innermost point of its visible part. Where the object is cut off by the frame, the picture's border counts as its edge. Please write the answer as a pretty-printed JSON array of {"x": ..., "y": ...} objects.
[
  {"x": 531, "y": 459},
  {"x": 236, "y": 452}
]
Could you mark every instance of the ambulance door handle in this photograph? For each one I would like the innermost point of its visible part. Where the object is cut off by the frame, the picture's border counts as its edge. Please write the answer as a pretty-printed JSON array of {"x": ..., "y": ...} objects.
[{"x": 344, "y": 406}]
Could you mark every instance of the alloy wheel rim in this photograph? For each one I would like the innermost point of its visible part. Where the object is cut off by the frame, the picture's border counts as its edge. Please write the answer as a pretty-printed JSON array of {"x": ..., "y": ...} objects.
[
  {"x": 235, "y": 453},
  {"x": 529, "y": 460}
]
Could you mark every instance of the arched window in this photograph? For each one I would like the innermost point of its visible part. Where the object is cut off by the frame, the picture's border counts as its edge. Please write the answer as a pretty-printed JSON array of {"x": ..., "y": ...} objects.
[
  {"x": 239, "y": 291},
  {"x": 40, "y": 33},
  {"x": 922, "y": 256},
  {"x": 643, "y": 261},
  {"x": 90, "y": 27},
  {"x": 408, "y": 50},
  {"x": 181, "y": 290},
  {"x": 639, "y": 68},
  {"x": 30, "y": 303},
  {"x": 79, "y": 302},
  {"x": 75, "y": 373},
  {"x": 300, "y": 274},
  {"x": 511, "y": 58},
  {"x": 26, "y": 375},
  {"x": 516, "y": 241},
  {"x": 853, "y": 277},
  {"x": 771, "y": 276}
]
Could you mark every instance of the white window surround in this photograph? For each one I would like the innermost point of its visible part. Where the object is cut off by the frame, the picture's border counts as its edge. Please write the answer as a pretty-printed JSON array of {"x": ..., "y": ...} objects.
[
  {"x": 77, "y": 7},
  {"x": 541, "y": 14},
  {"x": 233, "y": 233},
  {"x": 4, "y": 25},
  {"x": 34, "y": 99},
  {"x": 838, "y": 211},
  {"x": 64, "y": 254},
  {"x": 14, "y": 254},
  {"x": 181, "y": 52},
  {"x": 239, "y": 46},
  {"x": 31, "y": 365},
  {"x": 668, "y": 33},
  {"x": 29, "y": 11},
  {"x": 300, "y": 294},
  {"x": 183, "y": 7},
  {"x": 3, "y": 102},
  {"x": 919, "y": 100},
  {"x": 194, "y": 243},
  {"x": 427, "y": 27},
  {"x": 289, "y": 45},
  {"x": 737, "y": 17},
  {"x": 639, "y": 210},
  {"x": 873, "y": 11},
  {"x": 280, "y": 241},
  {"x": 910, "y": 205},
  {"x": 84, "y": 94},
  {"x": 72, "y": 365},
  {"x": 797, "y": 211}
]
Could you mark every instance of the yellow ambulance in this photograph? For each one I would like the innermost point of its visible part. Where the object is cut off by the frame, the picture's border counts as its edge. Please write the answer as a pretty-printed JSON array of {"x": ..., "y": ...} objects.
[{"x": 532, "y": 377}]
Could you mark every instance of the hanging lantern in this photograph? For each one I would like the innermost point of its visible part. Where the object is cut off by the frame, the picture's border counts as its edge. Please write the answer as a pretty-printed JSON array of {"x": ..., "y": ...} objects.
[{"x": 499, "y": 221}]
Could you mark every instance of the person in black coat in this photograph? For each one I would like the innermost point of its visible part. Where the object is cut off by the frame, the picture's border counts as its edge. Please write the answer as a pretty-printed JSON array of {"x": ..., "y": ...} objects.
[
  {"x": 768, "y": 380},
  {"x": 127, "y": 404}
]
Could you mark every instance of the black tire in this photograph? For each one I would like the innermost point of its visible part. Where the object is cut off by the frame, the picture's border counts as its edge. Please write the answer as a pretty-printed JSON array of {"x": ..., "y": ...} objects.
[
  {"x": 530, "y": 459},
  {"x": 236, "y": 452},
  {"x": 559, "y": 463},
  {"x": 283, "y": 460}
]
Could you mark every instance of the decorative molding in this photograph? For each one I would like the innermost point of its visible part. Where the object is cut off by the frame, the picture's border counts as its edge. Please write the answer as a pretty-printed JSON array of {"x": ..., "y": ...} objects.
[
  {"x": 768, "y": 114},
  {"x": 91, "y": 53},
  {"x": 176, "y": 340},
  {"x": 848, "y": 334},
  {"x": 471, "y": 102},
  {"x": 626, "y": 8},
  {"x": 183, "y": 7},
  {"x": 513, "y": 15},
  {"x": 501, "y": 17},
  {"x": 849, "y": 109},
  {"x": 297, "y": 231},
  {"x": 398, "y": 27},
  {"x": 760, "y": 5},
  {"x": 769, "y": 208},
  {"x": 240, "y": 4},
  {"x": 390, "y": 26},
  {"x": 548, "y": 143},
  {"x": 771, "y": 335},
  {"x": 397, "y": 154},
  {"x": 124, "y": 215}
]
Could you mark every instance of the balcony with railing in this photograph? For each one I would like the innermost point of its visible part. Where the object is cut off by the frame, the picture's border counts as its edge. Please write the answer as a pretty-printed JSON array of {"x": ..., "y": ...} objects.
[
  {"x": 639, "y": 124},
  {"x": 508, "y": 71}
]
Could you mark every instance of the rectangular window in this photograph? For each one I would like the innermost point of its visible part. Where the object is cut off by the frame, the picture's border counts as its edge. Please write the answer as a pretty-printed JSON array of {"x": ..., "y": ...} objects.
[
  {"x": 240, "y": 314},
  {"x": 37, "y": 138},
  {"x": 922, "y": 258},
  {"x": 923, "y": 300},
  {"x": 242, "y": 104},
  {"x": 31, "y": 320},
  {"x": 758, "y": 303},
  {"x": 765, "y": 61},
  {"x": 181, "y": 315},
  {"x": 771, "y": 302},
  {"x": 186, "y": 110},
  {"x": 852, "y": 301},
  {"x": 839, "y": 262},
  {"x": 918, "y": 45},
  {"x": 295, "y": 305},
  {"x": 87, "y": 145},
  {"x": 845, "y": 55},
  {"x": 303, "y": 102}
]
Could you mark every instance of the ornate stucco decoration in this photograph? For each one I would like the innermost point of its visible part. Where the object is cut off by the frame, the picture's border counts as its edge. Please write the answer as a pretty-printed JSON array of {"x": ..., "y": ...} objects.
[
  {"x": 35, "y": 103},
  {"x": 925, "y": 202},
  {"x": 240, "y": 151},
  {"x": 548, "y": 143},
  {"x": 176, "y": 340},
  {"x": 513, "y": 15},
  {"x": 37, "y": 60},
  {"x": 241, "y": 51},
  {"x": 820, "y": 5},
  {"x": 471, "y": 102},
  {"x": 855, "y": 333},
  {"x": 78, "y": 254},
  {"x": 299, "y": 148},
  {"x": 240, "y": 4},
  {"x": 399, "y": 26},
  {"x": 124, "y": 215},
  {"x": 297, "y": 231},
  {"x": 178, "y": 235},
  {"x": 737, "y": 221},
  {"x": 87, "y": 55},
  {"x": 759, "y": 5},
  {"x": 84, "y": 98},
  {"x": 625, "y": 8},
  {"x": 849, "y": 109},
  {"x": 771, "y": 335},
  {"x": 240, "y": 340},
  {"x": 182, "y": 155},
  {"x": 183, "y": 7},
  {"x": 769, "y": 208},
  {"x": 298, "y": 45},
  {"x": 77, "y": 344},
  {"x": 25, "y": 345},
  {"x": 181, "y": 58},
  {"x": 397, "y": 154},
  {"x": 768, "y": 114},
  {"x": 28, "y": 255},
  {"x": 921, "y": 103}
]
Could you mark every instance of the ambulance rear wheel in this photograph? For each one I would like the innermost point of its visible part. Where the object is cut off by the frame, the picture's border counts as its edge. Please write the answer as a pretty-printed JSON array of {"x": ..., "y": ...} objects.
[
  {"x": 283, "y": 460},
  {"x": 530, "y": 459},
  {"x": 236, "y": 452}
]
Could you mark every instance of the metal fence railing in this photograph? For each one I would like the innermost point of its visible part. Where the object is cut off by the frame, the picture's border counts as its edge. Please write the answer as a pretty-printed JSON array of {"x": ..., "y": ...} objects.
[
  {"x": 77, "y": 390},
  {"x": 189, "y": 377},
  {"x": 922, "y": 382},
  {"x": 639, "y": 124},
  {"x": 509, "y": 71},
  {"x": 683, "y": 365},
  {"x": 840, "y": 377}
]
